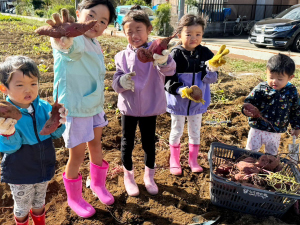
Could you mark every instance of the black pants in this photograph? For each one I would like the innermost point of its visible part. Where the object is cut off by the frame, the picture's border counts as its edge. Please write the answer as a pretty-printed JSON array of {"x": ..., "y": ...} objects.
[{"x": 147, "y": 127}]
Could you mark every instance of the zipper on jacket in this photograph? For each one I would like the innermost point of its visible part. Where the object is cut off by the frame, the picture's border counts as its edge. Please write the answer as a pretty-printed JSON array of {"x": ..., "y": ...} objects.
[
  {"x": 193, "y": 82},
  {"x": 42, "y": 154}
]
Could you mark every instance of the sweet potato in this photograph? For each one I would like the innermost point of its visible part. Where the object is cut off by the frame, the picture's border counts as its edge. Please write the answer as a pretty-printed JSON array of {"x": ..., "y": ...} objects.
[
  {"x": 255, "y": 112},
  {"x": 157, "y": 46},
  {"x": 8, "y": 110},
  {"x": 66, "y": 29},
  {"x": 197, "y": 92},
  {"x": 224, "y": 168},
  {"x": 53, "y": 122},
  {"x": 268, "y": 162},
  {"x": 247, "y": 168}
]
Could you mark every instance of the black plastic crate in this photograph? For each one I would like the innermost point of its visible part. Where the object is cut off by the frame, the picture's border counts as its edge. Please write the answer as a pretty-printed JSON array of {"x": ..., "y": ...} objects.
[{"x": 241, "y": 198}]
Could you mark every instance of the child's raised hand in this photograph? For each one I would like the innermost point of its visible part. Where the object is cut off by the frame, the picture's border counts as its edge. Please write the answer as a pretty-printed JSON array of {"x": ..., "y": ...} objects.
[
  {"x": 217, "y": 61},
  {"x": 7, "y": 126},
  {"x": 295, "y": 133},
  {"x": 126, "y": 82},
  {"x": 161, "y": 59}
]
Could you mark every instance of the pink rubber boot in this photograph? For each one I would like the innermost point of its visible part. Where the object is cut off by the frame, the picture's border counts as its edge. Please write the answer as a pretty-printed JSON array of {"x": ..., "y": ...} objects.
[
  {"x": 193, "y": 156},
  {"x": 149, "y": 181},
  {"x": 38, "y": 219},
  {"x": 22, "y": 223},
  {"x": 98, "y": 179},
  {"x": 129, "y": 182},
  {"x": 175, "y": 167},
  {"x": 75, "y": 200}
]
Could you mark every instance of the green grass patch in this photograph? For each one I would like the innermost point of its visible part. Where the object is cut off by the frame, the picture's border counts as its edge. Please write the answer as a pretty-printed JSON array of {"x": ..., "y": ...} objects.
[
  {"x": 9, "y": 18},
  {"x": 238, "y": 65}
]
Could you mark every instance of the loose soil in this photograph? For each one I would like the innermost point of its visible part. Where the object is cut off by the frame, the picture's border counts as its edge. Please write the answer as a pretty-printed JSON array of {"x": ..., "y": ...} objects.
[{"x": 180, "y": 198}]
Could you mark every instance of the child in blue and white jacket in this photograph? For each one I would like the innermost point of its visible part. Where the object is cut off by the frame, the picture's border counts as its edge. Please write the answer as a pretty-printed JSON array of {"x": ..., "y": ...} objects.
[
  {"x": 28, "y": 158},
  {"x": 190, "y": 58}
]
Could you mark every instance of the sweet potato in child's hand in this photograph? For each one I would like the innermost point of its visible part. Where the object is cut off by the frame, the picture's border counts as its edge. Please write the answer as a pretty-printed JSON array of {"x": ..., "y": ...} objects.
[
  {"x": 65, "y": 28},
  {"x": 53, "y": 122},
  {"x": 157, "y": 46},
  {"x": 8, "y": 110},
  {"x": 197, "y": 93},
  {"x": 252, "y": 109}
]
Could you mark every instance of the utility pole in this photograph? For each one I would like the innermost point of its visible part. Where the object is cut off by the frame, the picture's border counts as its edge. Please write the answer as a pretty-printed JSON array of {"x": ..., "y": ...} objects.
[
  {"x": 180, "y": 9},
  {"x": 76, "y": 4}
]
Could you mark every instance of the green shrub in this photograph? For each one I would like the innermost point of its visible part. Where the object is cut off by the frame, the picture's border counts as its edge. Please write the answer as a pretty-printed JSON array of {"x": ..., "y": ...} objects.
[
  {"x": 39, "y": 12},
  {"x": 163, "y": 16},
  {"x": 135, "y": 2}
]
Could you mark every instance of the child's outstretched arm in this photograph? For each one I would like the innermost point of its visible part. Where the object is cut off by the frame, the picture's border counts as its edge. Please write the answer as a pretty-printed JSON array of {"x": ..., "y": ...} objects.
[
  {"x": 169, "y": 66},
  {"x": 10, "y": 139}
]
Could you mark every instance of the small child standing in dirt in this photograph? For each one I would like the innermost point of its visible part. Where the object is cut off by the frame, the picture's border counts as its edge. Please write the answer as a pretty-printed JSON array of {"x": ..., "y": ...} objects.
[
  {"x": 276, "y": 100},
  {"x": 28, "y": 158},
  {"x": 79, "y": 70},
  {"x": 141, "y": 96},
  {"x": 191, "y": 71}
]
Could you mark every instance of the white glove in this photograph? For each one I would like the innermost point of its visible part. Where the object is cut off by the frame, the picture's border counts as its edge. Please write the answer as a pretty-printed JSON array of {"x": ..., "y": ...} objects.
[
  {"x": 63, "y": 112},
  {"x": 126, "y": 82},
  {"x": 63, "y": 43},
  {"x": 180, "y": 90},
  {"x": 161, "y": 59},
  {"x": 211, "y": 68},
  {"x": 7, "y": 126}
]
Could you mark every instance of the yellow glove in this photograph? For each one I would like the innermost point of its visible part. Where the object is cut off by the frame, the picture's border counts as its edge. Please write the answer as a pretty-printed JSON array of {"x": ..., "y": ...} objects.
[
  {"x": 218, "y": 60},
  {"x": 186, "y": 93}
]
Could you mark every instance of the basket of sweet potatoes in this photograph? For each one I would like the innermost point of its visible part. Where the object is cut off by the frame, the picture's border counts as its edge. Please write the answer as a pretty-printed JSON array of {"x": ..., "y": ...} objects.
[{"x": 252, "y": 182}]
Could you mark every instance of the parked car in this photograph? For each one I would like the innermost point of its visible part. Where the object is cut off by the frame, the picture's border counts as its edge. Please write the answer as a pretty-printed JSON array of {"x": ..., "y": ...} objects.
[
  {"x": 123, "y": 9},
  {"x": 282, "y": 31}
]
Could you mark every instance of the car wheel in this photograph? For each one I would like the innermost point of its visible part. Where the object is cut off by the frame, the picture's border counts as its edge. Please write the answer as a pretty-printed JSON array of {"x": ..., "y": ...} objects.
[
  {"x": 260, "y": 46},
  {"x": 296, "y": 44},
  {"x": 118, "y": 27}
]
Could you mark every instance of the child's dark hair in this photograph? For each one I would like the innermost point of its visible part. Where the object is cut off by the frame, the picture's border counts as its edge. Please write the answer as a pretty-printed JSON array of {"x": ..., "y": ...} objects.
[
  {"x": 137, "y": 14},
  {"x": 190, "y": 20},
  {"x": 13, "y": 63},
  {"x": 281, "y": 64},
  {"x": 87, "y": 4}
]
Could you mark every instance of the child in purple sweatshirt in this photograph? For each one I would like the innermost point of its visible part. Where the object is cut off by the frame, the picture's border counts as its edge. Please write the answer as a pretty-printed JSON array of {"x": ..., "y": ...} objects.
[
  {"x": 191, "y": 69},
  {"x": 141, "y": 96}
]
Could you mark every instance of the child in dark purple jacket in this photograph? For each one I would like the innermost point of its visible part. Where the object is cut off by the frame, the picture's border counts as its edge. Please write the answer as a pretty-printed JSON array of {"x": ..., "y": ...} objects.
[
  {"x": 191, "y": 69},
  {"x": 141, "y": 96}
]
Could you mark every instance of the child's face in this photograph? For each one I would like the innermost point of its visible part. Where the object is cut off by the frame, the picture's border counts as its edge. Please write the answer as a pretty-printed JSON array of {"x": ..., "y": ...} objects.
[
  {"x": 191, "y": 36},
  {"x": 99, "y": 13},
  {"x": 278, "y": 81},
  {"x": 136, "y": 33},
  {"x": 23, "y": 90}
]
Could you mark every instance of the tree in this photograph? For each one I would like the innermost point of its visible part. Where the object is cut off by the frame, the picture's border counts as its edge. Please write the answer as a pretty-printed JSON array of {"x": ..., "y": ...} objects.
[{"x": 162, "y": 20}]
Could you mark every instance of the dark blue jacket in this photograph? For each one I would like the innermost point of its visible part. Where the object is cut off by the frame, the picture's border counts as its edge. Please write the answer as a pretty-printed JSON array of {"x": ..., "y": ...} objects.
[
  {"x": 27, "y": 156},
  {"x": 190, "y": 70},
  {"x": 280, "y": 108}
]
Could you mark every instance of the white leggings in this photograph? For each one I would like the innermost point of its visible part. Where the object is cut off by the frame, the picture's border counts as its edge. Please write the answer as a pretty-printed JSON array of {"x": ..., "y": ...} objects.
[
  {"x": 256, "y": 138},
  {"x": 177, "y": 127},
  {"x": 27, "y": 196}
]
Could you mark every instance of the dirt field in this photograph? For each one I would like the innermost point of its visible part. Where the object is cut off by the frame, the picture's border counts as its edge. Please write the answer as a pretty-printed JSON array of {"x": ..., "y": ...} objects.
[{"x": 180, "y": 198}]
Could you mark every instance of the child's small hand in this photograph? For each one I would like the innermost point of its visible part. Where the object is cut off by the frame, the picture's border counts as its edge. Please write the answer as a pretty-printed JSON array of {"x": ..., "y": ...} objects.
[
  {"x": 187, "y": 92},
  {"x": 7, "y": 126},
  {"x": 126, "y": 82},
  {"x": 63, "y": 112},
  {"x": 217, "y": 61},
  {"x": 161, "y": 59},
  {"x": 295, "y": 133}
]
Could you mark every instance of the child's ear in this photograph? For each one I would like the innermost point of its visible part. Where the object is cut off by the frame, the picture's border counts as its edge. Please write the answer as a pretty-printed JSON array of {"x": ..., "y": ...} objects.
[
  {"x": 3, "y": 88},
  {"x": 291, "y": 77},
  {"x": 149, "y": 29}
]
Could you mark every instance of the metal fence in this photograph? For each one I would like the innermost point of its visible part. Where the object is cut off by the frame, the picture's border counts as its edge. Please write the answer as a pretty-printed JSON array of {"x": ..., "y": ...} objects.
[{"x": 218, "y": 12}]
